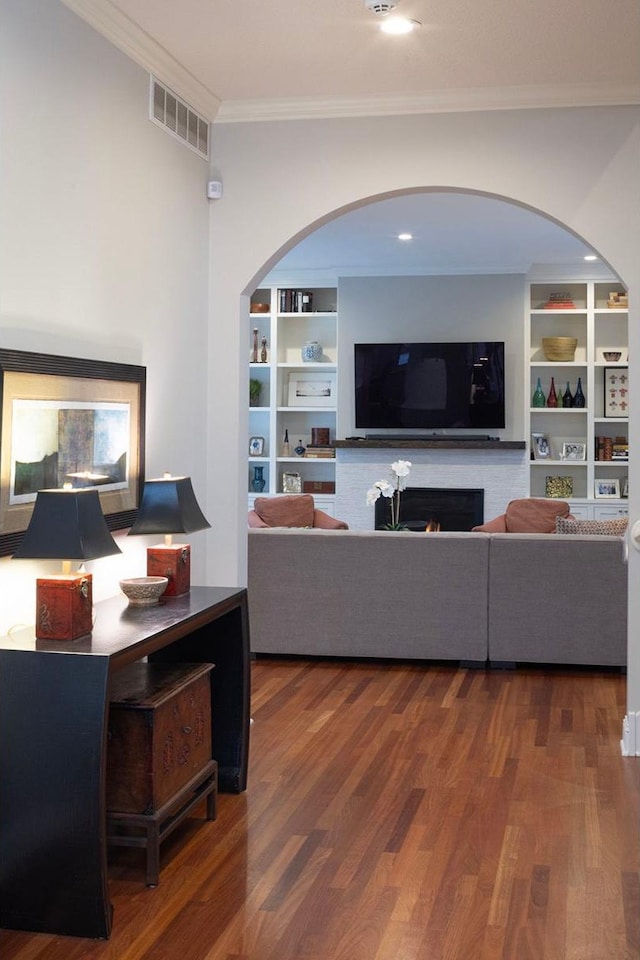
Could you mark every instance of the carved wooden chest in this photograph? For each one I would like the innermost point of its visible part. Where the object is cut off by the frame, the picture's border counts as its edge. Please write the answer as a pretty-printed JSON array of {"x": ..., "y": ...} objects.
[{"x": 159, "y": 733}]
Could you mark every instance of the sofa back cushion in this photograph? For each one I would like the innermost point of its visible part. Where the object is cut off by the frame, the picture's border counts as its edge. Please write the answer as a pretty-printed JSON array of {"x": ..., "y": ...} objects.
[
  {"x": 611, "y": 528},
  {"x": 294, "y": 510},
  {"x": 534, "y": 515}
]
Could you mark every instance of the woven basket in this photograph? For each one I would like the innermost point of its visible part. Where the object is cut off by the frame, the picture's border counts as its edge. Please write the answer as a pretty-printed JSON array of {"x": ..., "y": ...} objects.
[{"x": 559, "y": 348}]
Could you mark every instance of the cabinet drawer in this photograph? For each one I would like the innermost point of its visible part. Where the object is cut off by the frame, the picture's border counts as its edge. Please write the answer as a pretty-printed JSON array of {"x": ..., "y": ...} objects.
[{"x": 159, "y": 733}]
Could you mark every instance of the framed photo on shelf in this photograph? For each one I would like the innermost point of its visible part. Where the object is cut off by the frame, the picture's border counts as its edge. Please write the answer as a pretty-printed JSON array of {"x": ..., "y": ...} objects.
[
  {"x": 256, "y": 446},
  {"x": 558, "y": 487},
  {"x": 312, "y": 389},
  {"x": 572, "y": 449},
  {"x": 607, "y": 489},
  {"x": 291, "y": 483},
  {"x": 624, "y": 492},
  {"x": 540, "y": 446},
  {"x": 616, "y": 392}
]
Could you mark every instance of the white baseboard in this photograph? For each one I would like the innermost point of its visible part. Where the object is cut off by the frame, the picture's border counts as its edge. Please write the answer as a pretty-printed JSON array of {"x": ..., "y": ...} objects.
[{"x": 630, "y": 743}]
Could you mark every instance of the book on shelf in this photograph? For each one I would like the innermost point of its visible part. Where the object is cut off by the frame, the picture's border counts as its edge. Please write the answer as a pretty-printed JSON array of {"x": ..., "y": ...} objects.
[{"x": 320, "y": 454}]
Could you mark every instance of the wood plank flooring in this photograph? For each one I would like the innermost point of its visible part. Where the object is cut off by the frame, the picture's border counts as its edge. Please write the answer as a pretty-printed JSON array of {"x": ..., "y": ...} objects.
[{"x": 400, "y": 812}]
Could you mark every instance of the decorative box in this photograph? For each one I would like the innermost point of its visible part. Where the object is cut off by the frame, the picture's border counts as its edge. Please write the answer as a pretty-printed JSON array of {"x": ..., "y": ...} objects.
[
  {"x": 173, "y": 562},
  {"x": 64, "y": 607}
]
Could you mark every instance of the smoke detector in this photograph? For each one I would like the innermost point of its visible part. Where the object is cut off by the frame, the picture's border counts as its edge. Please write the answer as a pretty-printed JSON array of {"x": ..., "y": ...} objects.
[{"x": 380, "y": 7}]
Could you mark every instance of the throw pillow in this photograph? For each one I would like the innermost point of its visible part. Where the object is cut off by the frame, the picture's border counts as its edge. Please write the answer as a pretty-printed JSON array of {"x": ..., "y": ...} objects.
[
  {"x": 534, "y": 515},
  {"x": 295, "y": 510},
  {"x": 612, "y": 528}
]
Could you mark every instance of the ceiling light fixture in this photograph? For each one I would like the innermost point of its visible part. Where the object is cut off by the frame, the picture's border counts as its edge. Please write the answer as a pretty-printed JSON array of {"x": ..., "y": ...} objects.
[
  {"x": 405, "y": 236},
  {"x": 394, "y": 25},
  {"x": 591, "y": 256},
  {"x": 399, "y": 25}
]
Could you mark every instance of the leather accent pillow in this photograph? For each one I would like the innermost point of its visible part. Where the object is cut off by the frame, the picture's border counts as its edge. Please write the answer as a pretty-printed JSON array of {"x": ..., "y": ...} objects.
[
  {"x": 612, "y": 528},
  {"x": 534, "y": 515},
  {"x": 295, "y": 510}
]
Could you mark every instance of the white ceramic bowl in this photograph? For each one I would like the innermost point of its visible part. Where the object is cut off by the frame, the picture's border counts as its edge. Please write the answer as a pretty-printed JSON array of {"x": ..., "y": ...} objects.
[{"x": 143, "y": 591}]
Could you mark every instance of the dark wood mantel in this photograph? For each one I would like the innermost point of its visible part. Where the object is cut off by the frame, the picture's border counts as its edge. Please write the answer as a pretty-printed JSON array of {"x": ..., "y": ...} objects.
[{"x": 448, "y": 444}]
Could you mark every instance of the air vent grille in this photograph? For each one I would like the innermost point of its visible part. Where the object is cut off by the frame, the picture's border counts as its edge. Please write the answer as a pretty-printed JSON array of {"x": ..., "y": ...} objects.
[{"x": 174, "y": 115}]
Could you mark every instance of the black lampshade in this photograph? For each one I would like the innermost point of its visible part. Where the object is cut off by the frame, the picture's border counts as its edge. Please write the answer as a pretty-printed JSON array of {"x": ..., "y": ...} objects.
[
  {"x": 67, "y": 525},
  {"x": 169, "y": 506}
]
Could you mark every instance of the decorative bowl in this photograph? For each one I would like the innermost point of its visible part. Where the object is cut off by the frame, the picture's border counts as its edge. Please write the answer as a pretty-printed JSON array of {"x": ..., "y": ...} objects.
[
  {"x": 143, "y": 591},
  {"x": 259, "y": 308},
  {"x": 559, "y": 348},
  {"x": 612, "y": 356}
]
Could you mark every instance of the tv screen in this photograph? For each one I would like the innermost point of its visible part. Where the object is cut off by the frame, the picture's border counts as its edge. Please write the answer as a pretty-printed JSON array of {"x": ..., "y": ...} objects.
[{"x": 429, "y": 385}]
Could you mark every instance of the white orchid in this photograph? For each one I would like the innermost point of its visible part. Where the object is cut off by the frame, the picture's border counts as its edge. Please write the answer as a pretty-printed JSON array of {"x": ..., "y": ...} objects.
[{"x": 382, "y": 488}]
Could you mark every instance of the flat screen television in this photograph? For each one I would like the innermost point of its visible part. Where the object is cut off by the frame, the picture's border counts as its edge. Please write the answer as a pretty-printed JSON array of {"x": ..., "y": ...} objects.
[{"x": 429, "y": 386}]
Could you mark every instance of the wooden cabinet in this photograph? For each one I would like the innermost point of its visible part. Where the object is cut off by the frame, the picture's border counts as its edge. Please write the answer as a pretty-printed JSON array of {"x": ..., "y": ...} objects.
[
  {"x": 159, "y": 762},
  {"x": 287, "y": 330},
  {"x": 597, "y": 318}
]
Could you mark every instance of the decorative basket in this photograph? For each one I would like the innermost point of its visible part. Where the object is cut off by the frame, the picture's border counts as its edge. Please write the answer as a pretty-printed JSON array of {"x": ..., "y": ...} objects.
[{"x": 559, "y": 348}]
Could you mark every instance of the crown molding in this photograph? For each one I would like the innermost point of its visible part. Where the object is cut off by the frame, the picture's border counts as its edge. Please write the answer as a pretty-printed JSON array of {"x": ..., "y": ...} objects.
[
  {"x": 123, "y": 33},
  {"x": 443, "y": 101}
]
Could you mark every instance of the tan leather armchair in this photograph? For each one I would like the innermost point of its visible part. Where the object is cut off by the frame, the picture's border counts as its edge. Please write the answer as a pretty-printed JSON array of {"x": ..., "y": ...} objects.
[{"x": 291, "y": 510}]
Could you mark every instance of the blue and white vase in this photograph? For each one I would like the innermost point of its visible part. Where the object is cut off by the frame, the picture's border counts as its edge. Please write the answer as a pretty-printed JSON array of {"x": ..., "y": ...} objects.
[
  {"x": 311, "y": 351},
  {"x": 258, "y": 482}
]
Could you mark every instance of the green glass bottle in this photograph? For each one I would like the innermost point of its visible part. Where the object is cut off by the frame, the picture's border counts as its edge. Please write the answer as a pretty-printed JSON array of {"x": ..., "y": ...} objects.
[{"x": 538, "y": 399}]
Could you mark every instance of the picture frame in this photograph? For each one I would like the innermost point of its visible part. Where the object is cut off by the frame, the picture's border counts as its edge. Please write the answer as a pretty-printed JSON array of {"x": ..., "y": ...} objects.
[
  {"x": 616, "y": 392},
  {"x": 624, "y": 491},
  {"x": 69, "y": 420},
  {"x": 606, "y": 488},
  {"x": 540, "y": 446},
  {"x": 311, "y": 389},
  {"x": 572, "y": 449},
  {"x": 558, "y": 487},
  {"x": 256, "y": 446},
  {"x": 291, "y": 483}
]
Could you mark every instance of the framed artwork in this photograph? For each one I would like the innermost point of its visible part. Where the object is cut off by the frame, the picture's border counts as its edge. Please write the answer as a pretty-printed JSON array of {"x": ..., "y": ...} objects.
[
  {"x": 607, "y": 489},
  {"x": 291, "y": 483},
  {"x": 312, "y": 389},
  {"x": 540, "y": 446},
  {"x": 572, "y": 449},
  {"x": 558, "y": 487},
  {"x": 256, "y": 446},
  {"x": 616, "y": 392},
  {"x": 69, "y": 421}
]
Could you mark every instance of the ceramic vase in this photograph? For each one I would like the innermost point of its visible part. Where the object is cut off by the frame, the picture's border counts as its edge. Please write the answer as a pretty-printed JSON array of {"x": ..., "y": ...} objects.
[
  {"x": 311, "y": 352},
  {"x": 258, "y": 482}
]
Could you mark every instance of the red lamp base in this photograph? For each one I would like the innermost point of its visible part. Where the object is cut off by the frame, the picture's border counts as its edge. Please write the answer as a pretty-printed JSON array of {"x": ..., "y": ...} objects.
[
  {"x": 64, "y": 607},
  {"x": 173, "y": 562}
]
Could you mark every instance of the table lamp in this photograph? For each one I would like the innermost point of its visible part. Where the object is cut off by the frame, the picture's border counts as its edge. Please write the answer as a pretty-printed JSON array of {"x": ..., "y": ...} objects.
[
  {"x": 169, "y": 506},
  {"x": 65, "y": 525}
]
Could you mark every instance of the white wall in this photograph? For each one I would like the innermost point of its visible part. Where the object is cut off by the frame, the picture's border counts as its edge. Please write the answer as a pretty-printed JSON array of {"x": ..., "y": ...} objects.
[
  {"x": 379, "y": 309},
  {"x": 103, "y": 244}
]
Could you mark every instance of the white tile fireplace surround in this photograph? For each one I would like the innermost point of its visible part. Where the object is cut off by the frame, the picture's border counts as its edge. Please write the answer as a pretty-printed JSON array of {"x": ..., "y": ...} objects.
[{"x": 503, "y": 474}]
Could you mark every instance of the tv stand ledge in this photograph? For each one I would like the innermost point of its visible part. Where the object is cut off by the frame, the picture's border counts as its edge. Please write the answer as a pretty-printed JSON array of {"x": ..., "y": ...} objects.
[{"x": 424, "y": 443}]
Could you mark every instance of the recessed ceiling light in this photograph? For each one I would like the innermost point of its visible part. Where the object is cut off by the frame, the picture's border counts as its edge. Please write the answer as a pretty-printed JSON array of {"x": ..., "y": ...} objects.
[
  {"x": 405, "y": 236},
  {"x": 399, "y": 25},
  {"x": 591, "y": 256}
]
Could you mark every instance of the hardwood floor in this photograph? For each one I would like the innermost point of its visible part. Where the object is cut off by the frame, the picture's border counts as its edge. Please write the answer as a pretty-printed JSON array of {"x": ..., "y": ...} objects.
[{"x": 400, "y": 812}]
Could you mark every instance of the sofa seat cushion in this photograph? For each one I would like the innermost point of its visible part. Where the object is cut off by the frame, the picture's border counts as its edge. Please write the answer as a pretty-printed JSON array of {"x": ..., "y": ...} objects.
[
  {"x": 534, "y": 515},
  {"x": 611, "y": 528},
  {"x": 294, "y": 510}
]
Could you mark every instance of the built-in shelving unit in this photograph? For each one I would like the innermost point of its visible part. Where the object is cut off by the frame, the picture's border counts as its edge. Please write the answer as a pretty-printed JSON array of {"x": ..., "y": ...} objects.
[
  {"x": 286, "y": 330},
  {"x": 599, "y": 327}
]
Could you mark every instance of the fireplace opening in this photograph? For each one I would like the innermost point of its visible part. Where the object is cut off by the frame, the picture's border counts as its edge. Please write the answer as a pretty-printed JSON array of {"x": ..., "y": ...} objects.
[{"x": 435, "y": 508}]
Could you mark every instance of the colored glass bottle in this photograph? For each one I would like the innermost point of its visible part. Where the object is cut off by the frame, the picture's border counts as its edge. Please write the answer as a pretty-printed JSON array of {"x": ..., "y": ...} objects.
[
  {"x": 538, "y": 396},
  {"x": 552, "y": 399},
  {"x": 567, "y": 400},
  {"x": 579, "y": 399},
  {"x": 286, "y": 447}
]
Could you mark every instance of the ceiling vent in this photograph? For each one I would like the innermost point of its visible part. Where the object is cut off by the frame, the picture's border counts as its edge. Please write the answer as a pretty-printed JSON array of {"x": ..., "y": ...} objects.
[{"x": 178, "y": 118}]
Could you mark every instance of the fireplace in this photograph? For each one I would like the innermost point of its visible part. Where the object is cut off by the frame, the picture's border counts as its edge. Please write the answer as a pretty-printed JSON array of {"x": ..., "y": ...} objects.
[{"x": 449, "y": 508}]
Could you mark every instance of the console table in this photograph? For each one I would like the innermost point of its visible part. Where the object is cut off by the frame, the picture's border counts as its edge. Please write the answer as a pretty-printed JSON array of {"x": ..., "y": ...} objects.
[{"x": 54, "y": 705}]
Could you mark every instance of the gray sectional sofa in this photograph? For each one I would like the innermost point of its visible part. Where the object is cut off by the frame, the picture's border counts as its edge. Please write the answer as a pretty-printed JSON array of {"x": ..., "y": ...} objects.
[{"x": 470, "y": 597}]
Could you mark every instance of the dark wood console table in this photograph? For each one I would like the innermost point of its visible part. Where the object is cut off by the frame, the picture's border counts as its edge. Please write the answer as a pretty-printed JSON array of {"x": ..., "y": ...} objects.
[{"x": 54, "y": 704}]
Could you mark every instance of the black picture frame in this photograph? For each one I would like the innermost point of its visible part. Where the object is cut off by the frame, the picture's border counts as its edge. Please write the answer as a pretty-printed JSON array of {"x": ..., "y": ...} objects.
[{"x": 53, "y": 388}]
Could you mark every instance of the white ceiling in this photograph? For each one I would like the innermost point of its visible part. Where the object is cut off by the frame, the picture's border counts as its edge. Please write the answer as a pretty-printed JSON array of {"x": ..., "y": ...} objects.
[{"x": 239, "y": 60}]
